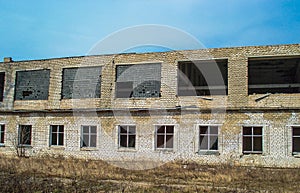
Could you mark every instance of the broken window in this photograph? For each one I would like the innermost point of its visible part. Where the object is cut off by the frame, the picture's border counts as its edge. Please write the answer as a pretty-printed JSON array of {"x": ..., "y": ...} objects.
[
  {"x": 56, "y": 135},
  {"x": 2, "y": 78},
  {"x": 252, "y": 140},
  {"x": 208, "y": 137},
  {"x": 32, "y": 85},
  {"x": 88, "y": 136},
  {"x": 2, "y": 131},
  {"x": 25, "y": 135},
  {"x": 273, "y": 75},
  {"x": 138, "y": 81},
  {"x": 296, "y": 140},
  {"x": 83, "y": 82},
  {"x": 164, "y": 137},
  {"x": 204, "y": 77},
  {"x": 127, "y": 136}
]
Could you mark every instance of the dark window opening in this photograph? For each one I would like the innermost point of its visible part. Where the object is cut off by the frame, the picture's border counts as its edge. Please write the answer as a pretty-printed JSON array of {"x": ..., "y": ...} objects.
[
  {"x": 127, "y": 136},
  {"x": 202, "y": 78},
  {"x": 32, "y": 85},
  {"x": 56, "y": 135},
  {"x": 296, "y": 140},
  {"x": 164, "y": 137},
  {"x": 2, "y": 79},
  {"x": 273, "y": 75},
  {"x": 138, "y": 81},
  {"x": 83, "y": 82},
  {"x": 2, "y": 131},
  {"x": 252, "y": 140},
  {"x": 88, "y": 136},
  {"x": 208, "y": 138},
  {"x": 25, "y": 135}
]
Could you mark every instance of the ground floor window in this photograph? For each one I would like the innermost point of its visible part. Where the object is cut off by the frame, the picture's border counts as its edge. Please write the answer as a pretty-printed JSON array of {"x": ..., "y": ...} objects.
[
  {"x": 127, "y": 136},
  {"x": 88, "y": 136},
  {"x": 164, "y": 137},
  {"x": 56, "y": 135},
  {"x": 252, "y": 140},
  {"x": 2, "y": 131},
  {"x": 25, "y": 134},
  {"x": 208, "y": 138},
  {"x": 296, "y": 140}
]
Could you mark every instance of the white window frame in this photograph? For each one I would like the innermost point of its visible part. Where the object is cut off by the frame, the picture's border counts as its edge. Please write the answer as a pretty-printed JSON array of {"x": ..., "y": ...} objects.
[
  {"x": 208, "y": 135},
  {"x": 89, "y": 134},
  {"x": 58, "y": 134},
  {"x": 292, "y": 139},
  {"x": 252, "y": 137},
  {"x": 127, "y": 135},
  {"x": 165, "y": 135}
]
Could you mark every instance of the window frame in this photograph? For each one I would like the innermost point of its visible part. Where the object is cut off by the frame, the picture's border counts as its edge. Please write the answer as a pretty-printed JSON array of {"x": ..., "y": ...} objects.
[
  {"x": 252, "y": 139},
  {"x": 21, "y": 127},
  {"x": 89, "y": 136},
  {"x": 58, "y": 134},
  {"x": 209, "y": 136},
  {"x": 127, "y": 136},
  {"x": 292, "y": 138},
  {"x": 165, "y": 148}
]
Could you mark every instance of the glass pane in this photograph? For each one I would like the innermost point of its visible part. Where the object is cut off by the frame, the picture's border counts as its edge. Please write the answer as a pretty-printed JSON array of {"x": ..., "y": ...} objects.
[
  {"x": 170, "y": 129},
  {"x": 54, "y": 139},
  {"x": 203, "y": 142},
  {"x": 161, "y": 129},
  {"x": 123, "y": 140},
  {"x": 132, "y": 129},
  {"x": 296, "y": 144},
  {"x": 123, "y": 129},
  {"x": 61, "y": 139},
  {"x": 85, "y": 141},
  {"x": 247, "y": 130},
  {"x": 54, "y": 128},
  {"x": 131, "y": 142},
  {"x": 93, "y": 129},
  {"x": 2, "y": 136},
  {"x": 2, "y": 128},
  {"x": 203, "y": 130},
  {"x": 160, "y": 141},
  {"x": 296, "y": 131},
  {"x": 213, "y": 143},
  {"x": 257, "y": 130},
  {"x": 247, "y": 144},
  {"x": 257, "y": 146},
  {"x": 85, "y": 129},
  {"x": 169, "y": 142},
  {"x": 93, "y": 141},
  {"x": 61, "y": 128},
  {"x": 214, "y": 130}
]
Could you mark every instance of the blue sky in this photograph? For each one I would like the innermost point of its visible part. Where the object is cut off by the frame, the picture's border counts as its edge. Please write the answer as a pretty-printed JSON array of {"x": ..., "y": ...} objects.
[{"x": 46, "y": 29}]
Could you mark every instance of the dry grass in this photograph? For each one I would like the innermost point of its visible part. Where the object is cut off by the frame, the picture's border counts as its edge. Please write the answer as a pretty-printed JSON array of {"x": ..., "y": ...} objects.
[{"x": 50, "y": 174}]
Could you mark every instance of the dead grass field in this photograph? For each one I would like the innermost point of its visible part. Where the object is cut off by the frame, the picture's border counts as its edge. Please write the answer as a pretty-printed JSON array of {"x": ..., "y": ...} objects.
[{"x": 60, "y": 174}]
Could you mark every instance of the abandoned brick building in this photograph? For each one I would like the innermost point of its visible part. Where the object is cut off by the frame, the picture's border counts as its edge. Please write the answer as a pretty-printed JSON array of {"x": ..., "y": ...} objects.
[{"x": 237, "y": 105}]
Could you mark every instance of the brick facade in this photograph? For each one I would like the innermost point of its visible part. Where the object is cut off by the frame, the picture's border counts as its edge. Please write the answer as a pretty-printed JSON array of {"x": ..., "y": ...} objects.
[{"x": 275, "y": 114}]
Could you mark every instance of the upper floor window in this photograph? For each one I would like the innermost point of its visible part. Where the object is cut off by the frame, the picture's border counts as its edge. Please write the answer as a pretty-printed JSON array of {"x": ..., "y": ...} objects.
[
  {"x": 83, "y": 82},
  {"x": 252, "y": 140},
  {"x": 296, "y": 140},
  {"x": 127, "y": 136},
  {"x": 88, "y": 136},
  {"x": 25, "y": 135},
  {"x": 56, "y": 135},
  {"x": 208, "y": 137},
  {"x": 32, "y": 85},
  {"x": 164, "y": 136},
  {"x": 273, "y": 75},
  {"x": 202, "y": 77},
  {"x": 2, "y": 80},
  {"x": 138, "y": 81}
]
